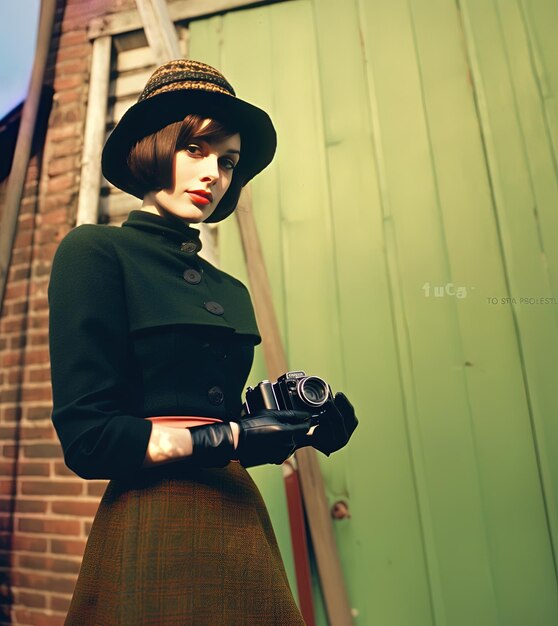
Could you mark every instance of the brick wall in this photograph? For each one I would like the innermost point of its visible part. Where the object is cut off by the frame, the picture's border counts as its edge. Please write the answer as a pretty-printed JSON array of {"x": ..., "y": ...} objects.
[{"x": 45, "y": 510}]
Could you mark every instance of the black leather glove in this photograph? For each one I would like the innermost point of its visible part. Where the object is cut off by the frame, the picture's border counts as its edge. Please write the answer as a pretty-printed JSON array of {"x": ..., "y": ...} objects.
[
  {"x": 336, "y": 426},
  {"x": 271, "y": 436},
  {"x": 213, "y": 445}
]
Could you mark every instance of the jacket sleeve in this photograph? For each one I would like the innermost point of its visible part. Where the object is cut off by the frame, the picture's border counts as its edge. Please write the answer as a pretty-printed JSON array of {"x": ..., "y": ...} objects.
[{"x": 88, "y": 340}]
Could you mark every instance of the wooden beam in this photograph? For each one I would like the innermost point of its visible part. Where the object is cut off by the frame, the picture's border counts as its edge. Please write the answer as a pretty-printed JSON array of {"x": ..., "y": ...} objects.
[
  {"x": 20, "y": 162},
  {"x": 125, "y": 21},
  {"x": 159, "y": 30},
  {"x": 95, "y": 128},
  {"x": 315, "y": 502}
]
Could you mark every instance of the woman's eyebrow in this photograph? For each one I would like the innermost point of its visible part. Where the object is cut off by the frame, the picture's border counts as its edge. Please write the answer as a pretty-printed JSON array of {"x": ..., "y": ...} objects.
[{"x": 233, "y": 151}]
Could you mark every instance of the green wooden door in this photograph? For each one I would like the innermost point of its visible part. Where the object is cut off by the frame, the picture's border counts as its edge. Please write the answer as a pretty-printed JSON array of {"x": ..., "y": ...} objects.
[{"x": 408, "y": 224}]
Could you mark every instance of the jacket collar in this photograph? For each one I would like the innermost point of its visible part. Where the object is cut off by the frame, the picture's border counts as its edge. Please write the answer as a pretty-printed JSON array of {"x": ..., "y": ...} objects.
[{"x": 170, "y": 226}]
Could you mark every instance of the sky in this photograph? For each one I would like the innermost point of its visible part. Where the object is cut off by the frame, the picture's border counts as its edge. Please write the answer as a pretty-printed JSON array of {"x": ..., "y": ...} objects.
[{"x": 18, "y": 34}]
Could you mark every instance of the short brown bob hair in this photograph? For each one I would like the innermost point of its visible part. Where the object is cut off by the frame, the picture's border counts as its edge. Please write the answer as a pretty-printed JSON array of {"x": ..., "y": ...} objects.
[{"x": 151, "y": 159}]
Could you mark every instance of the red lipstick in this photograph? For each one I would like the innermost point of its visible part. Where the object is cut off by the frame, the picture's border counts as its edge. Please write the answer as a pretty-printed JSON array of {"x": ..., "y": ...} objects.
[{"x": 200, "y": 196}]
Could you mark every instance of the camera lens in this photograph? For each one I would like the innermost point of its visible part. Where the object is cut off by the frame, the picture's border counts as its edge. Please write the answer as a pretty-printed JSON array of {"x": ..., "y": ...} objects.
[{"x": 313, "y": 391}]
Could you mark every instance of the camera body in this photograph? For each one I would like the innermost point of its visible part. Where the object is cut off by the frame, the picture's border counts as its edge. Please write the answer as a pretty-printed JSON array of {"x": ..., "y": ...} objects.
[{"x": 293, "y": 391}]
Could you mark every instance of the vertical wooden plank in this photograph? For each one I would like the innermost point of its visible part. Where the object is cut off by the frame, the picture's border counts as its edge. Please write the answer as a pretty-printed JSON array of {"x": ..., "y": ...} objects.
[
  {"x": 94, "y": 137},
  {"x": 384, "y": 564},
  {"x": 527, "y": 275},
  {"x": 535, "y": 133},
  {"x": 541, "y": 17}
]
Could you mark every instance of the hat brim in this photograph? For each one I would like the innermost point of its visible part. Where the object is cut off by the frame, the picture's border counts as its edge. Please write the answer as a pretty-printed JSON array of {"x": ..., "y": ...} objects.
[{"x": 256, "y": 129}]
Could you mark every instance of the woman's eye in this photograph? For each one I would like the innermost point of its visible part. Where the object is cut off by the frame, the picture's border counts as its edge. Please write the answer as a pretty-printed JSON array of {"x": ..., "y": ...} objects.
[
  {"x": 228, "y": 164},
  {"x": 193, "y": 149}
]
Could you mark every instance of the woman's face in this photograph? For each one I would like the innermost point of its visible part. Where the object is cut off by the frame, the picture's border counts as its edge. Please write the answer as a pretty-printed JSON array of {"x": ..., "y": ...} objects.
[{"x": 202, "y": 175}]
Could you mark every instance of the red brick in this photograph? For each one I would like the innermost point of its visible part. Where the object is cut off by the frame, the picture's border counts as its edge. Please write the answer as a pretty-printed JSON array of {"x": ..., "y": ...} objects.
[
  {"x": 32, "y": 468},
  {"x": 51, "y": 488},
  {"x": 9, "y": 414},
  {"x": 60, "y": 469},
  {"x": 69, "y": 113},
  {"x": 16, "y": 343},
  {"x": 68, "y": 546},
  {"x": 47, "y": 251},
  {"x": 39, "y": 375},
  {"x": 51, "y": 526},
  {"x": 42, "y": 450},
  {"x": 26, "y": 222},
  {"x": 37, "y": 563},
  {"x": 30, "y": 599},
  {"x": 10, "y": 395},
  {"x": 40, "y": 304},
  {"x": 22, "y": 255},
  {"x": 95, "y": 488},
  {"x": 17, "y": 289},
  {"x": 39, "y": 339},
  {"x": 23, "y": 238},
  {"x": 7, "y": 487},
  {"x": 30, "y": 506},
  {"x": 7, "y": 468},
  {"x": 65, "y": 147},
  {"x": 39, "y": 287},
  {"x": 69, "y": 97},
  {"x": 19, "y": 273},
  {"x": 63, "y": 82},
  {"x": 13, "y": 324},
  {"x": 60, "y": 603},
  {"x": 60, "y": 215},
  {"x": 80, "y": 508},
  {"x": 19, "y": 307},
  {"x": 61, "y": 182},
  {"x": 36, "y": 393},
  {"x": 76, "y": 65},
  {"x": 10, "y": 359},
  {"x": 10, "y": 451},
  {"x": 37, "y": 432},
  {"x": 15, "y": 375},
  {"x": 29, "y": 543},
  {"x": 38, "y": 413},
  {"x": 72, "y": 38},
  {"x": 37, "y": 355},
  {"x": 32, "y": 618},
  {"x": 41, "y": 269},
  {"x": 59, "y": 133},
  {"x": 38, "y": 321}
]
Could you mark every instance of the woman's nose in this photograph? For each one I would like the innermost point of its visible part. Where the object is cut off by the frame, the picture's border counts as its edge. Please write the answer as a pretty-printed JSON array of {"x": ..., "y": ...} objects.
[{"x": 210, "y": 169}]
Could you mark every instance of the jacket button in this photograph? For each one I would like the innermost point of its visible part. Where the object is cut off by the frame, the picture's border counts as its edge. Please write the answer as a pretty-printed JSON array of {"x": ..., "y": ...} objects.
[
  {"x": 190, "y": 247},
  {"x": 192, "y": 276},
  {"x": 216, "y": 395},
  {"x": 214, "y": 307}
]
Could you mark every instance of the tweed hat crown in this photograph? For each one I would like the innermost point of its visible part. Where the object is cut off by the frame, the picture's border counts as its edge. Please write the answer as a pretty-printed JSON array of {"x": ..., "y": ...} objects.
[{"x": 174, "y": 90}]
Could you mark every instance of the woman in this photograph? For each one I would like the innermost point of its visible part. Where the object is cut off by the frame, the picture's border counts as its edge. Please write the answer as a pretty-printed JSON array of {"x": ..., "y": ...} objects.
[{"x": 150, "y": 350}]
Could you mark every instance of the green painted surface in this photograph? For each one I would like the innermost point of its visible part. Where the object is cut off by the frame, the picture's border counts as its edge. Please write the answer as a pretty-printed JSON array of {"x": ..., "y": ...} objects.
[{"x": 415, "y": 187}]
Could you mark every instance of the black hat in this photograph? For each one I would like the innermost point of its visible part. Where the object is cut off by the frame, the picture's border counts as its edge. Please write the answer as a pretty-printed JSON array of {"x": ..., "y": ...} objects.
[{"x": 173, "y": 91}]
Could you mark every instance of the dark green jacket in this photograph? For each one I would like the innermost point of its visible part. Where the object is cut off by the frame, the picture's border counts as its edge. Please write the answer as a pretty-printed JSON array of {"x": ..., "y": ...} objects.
[{"x": 139, "y": 326}]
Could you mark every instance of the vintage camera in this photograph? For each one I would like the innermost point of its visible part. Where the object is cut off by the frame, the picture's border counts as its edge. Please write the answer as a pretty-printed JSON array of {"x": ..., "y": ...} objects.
[{"x": 294, "y": 391}]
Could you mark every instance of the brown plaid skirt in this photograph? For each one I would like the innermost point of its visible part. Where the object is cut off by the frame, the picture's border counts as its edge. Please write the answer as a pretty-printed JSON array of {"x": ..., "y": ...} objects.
[{"x": 181, "y": 546}]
